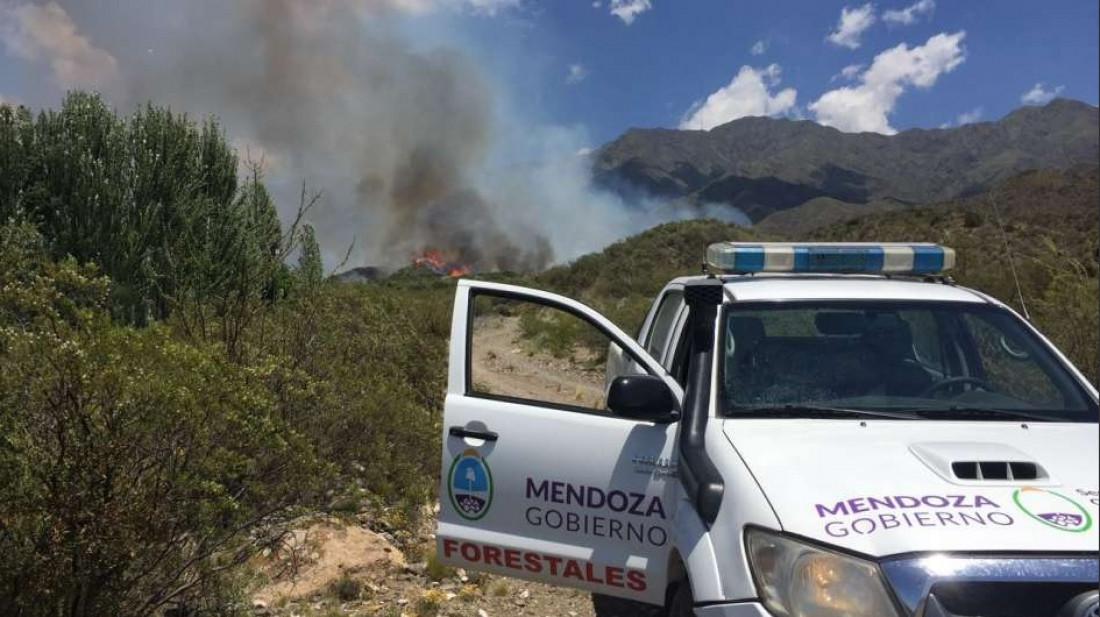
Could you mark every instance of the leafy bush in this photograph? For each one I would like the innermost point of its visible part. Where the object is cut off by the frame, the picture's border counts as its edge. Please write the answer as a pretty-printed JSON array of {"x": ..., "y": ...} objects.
[
  {"x": 434, "y": 569},
  {"x": 359, "y": 370},
  {"x": 137, "y": 468},
  {"x": 346, "y": 588},
  {"x": 153, "y": 200}
]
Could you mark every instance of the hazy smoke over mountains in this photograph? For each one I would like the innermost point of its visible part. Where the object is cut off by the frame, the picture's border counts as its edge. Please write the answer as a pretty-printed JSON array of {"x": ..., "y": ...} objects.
[
  {"x": 393, "y": 136},
  {"x": 410, "y": 144}
]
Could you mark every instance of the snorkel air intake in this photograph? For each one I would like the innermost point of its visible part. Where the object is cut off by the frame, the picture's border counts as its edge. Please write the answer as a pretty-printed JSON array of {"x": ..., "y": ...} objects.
[{"x": 698, "y": 473}]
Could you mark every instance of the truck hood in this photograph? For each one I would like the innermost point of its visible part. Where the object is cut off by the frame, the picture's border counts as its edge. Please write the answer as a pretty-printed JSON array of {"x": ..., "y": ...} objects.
[{"x": 891, "y": 487}]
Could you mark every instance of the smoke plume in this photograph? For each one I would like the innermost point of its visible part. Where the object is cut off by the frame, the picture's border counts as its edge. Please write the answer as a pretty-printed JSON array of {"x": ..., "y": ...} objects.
[{"x": 413, "y": 147}]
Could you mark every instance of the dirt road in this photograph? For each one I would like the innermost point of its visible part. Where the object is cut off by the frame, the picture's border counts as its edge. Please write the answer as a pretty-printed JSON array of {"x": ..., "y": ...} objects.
[{"x": 504, "y": 363}]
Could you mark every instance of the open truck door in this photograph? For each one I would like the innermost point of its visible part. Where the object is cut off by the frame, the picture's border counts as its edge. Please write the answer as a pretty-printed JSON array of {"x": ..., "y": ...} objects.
[{"x": 548, "y": 474}]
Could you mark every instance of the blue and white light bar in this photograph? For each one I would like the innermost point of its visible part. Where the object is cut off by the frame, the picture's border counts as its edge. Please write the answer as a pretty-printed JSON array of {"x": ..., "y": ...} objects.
[{"x": 829, "y": 257}]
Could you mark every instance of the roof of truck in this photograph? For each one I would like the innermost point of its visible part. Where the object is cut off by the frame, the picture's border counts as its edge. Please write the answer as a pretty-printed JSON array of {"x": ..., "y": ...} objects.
[{"x": 770, "y": 287}]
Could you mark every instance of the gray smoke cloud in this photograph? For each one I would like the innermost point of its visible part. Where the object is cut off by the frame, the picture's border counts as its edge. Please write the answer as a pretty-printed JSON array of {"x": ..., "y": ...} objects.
[
  {"x": 393, "y": 135},
  {"x": 413, "y": 147}
]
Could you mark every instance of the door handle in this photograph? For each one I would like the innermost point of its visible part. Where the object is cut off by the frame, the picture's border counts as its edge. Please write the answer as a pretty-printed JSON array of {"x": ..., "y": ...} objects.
[{"x": 464, "y": 433}]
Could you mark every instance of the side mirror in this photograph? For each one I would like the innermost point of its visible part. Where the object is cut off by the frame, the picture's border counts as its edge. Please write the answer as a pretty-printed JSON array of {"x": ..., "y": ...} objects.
[{"x": 642, "y": 397}]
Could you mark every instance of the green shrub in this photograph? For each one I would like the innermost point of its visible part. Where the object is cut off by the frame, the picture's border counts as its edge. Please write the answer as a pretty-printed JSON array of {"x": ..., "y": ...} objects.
[
  {"x": 435, "y": 570},
  {"x": 346, "y": 588},
  {"x": 138, "y": 468}
]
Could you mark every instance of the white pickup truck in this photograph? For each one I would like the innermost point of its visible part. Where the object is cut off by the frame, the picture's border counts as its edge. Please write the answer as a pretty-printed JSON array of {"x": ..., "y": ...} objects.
[{"x": 810, "y": 430}]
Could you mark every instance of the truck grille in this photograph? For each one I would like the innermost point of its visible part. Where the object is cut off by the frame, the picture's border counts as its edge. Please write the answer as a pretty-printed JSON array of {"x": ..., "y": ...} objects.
[
  {"x": 995, "y": 586},
  {"x": 1008, "y": 599}
]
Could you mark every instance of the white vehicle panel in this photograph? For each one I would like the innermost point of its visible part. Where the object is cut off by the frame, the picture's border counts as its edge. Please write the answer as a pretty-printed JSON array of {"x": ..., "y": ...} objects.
[
  {"x": 743, "y": 504},
  {"x": 556, "y": 495},
  {"x": 867, "y": 486}
]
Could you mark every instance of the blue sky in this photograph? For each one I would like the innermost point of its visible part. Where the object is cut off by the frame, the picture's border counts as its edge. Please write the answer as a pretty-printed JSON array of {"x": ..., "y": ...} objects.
[
  {"x": 649, "y": 73},
  {"x": 574, "y": 62}
]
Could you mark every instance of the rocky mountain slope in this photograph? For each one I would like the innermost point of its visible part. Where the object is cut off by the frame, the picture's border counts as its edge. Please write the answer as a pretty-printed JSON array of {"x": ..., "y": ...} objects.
[{"x": 765, "y": 165}]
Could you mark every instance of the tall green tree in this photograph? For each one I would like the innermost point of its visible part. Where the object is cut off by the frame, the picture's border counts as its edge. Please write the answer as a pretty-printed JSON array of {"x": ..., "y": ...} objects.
[{"x": 154, "y": 200}]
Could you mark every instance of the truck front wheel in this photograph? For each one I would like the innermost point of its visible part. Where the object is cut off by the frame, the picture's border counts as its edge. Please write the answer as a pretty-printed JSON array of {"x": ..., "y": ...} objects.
[{"x": 683, "y": 602}]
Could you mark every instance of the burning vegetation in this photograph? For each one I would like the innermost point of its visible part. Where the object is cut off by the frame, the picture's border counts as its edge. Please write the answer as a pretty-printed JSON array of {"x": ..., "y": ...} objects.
[{"x": 436, "y": 261}]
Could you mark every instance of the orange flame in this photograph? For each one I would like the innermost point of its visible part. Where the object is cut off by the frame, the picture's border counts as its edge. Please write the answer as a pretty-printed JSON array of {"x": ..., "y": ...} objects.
[
  {"x": 436, "y": 261},
  {"x": 431, "y": 259}
]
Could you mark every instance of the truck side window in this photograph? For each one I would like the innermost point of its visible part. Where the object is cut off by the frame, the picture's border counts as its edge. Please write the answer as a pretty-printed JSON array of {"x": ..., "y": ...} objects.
[
  {"x": 677, "y": 361},
  {"x": 541, "y": 354},
  {"x": 663, "y": 322}
]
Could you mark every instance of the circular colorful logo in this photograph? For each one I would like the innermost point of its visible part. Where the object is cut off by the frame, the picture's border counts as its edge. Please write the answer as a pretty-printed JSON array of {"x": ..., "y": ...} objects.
[
  {"x": 471, "y": 486},
  {"x": 1053, "y": 509}
]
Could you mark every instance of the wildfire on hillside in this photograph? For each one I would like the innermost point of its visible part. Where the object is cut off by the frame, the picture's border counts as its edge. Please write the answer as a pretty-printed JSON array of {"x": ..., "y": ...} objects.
[{"x": 437, "y": 262}]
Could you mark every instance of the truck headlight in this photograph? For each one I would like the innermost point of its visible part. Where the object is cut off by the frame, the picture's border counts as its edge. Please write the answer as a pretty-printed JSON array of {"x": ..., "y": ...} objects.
[{"x": 799, "y": 580}]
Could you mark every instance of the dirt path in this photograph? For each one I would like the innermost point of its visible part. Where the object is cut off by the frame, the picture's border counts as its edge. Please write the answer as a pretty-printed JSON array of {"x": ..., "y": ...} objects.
[
  {"x": 342, "y": 568},
  {"x": 504, "y": 363}
]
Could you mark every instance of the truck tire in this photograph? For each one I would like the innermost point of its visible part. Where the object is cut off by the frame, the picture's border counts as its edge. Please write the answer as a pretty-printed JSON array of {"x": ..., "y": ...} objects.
[
  {"x": 683, "y": 601},
  {"x": 606, "y": 606}
]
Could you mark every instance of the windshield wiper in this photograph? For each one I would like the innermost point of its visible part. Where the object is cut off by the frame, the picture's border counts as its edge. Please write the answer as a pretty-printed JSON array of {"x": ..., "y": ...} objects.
[
  {"x": 983, "y": 413},
  {"x": 824, "y": 410}
]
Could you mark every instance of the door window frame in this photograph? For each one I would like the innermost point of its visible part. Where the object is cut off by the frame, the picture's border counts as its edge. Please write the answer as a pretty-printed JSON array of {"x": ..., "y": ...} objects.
[
  {"x": 468, "y": 387},
  {"x": 673, "y": 294}
]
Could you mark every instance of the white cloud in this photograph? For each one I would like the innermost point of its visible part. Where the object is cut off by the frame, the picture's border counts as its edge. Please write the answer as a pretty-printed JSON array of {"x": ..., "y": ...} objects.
[
  {"x": 853, "y": 23},
  {"x": 909, "y": 14},
  {"x": 750, "y": 93},
  {"x": 759, "y": 48},
  {"x": 47, "y": 33},
  {"x": 967, "y": 117},
  {"x": 868, "y": 105},
  {"x": 848, "y": 73},
  {"x": 1039, "y": 95},
  {"x": 492, "y": 7},
  {"x": 629, "y": 10},
  {"x": 970, "y": 117},
  {"x": 576, "y": 74}
]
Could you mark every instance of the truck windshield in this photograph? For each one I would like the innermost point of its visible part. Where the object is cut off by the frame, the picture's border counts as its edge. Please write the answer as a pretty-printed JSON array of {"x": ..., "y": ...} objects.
[{"x": 915, "y": 359}]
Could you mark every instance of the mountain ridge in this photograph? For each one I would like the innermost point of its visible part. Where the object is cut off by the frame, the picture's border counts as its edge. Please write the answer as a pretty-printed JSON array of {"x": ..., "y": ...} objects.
[{"x": 765, "y": 165}]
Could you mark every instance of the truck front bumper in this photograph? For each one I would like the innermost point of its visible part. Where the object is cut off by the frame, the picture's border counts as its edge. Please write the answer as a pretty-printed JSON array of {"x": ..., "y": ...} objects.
[
  {"x": 751, "y": 609},
  {"x": 953, "y": 586}
]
